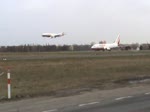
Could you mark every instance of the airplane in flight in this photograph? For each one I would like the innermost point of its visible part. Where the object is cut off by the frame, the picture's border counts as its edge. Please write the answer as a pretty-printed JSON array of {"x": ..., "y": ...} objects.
[
  {"x": 105, "y": 46},
  {"x": 53, "y": 35}
]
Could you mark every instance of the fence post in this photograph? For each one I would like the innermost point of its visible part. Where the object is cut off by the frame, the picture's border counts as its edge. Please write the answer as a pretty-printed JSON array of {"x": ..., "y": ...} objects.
[{"x": 9, "y": 86}]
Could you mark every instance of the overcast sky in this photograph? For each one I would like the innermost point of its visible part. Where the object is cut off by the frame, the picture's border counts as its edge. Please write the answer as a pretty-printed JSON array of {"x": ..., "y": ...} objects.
[{"x": 84, "y": 21}]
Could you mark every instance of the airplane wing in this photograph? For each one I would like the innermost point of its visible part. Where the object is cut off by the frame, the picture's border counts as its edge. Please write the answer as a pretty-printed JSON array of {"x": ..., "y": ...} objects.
[{"x": 52, "y": 35}]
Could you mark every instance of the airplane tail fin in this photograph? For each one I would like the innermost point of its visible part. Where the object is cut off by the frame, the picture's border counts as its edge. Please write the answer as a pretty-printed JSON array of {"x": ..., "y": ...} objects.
[{"x": 117, "y": 41}]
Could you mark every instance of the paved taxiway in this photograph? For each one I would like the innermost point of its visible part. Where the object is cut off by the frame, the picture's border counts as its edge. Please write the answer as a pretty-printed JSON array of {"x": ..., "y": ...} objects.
[
  {"x": 122, "y": 104},
  {"x": 129, "y": 99}
]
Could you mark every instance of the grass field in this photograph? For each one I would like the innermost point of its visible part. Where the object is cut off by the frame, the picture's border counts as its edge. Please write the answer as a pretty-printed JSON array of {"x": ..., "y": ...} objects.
[{"x": 61, "y": 73}]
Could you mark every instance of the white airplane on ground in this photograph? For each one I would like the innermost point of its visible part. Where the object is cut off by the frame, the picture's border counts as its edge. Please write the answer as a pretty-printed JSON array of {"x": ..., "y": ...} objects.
[
  {"x": 53, "y": 35},
  {"x": 107, "y": 46}
]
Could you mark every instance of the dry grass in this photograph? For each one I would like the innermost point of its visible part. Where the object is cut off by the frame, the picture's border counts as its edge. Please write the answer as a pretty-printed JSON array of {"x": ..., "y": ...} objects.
[{"x": 47, "y": 73}]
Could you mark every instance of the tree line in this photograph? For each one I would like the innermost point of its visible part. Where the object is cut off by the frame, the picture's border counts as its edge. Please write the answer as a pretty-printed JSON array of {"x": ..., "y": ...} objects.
[
  {"x": 44, "y": 48},
  {"x": 49, "y": 48}
]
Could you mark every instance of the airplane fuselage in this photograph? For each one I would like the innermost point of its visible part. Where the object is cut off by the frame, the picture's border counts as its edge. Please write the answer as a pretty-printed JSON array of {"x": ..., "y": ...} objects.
[
  {"x": 106, "y": 46},
  {"x": 52, "y": 35}
]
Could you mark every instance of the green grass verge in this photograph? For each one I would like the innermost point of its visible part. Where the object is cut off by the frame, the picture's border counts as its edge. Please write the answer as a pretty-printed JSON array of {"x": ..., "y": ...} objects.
[{"x": 37, "y": 74}]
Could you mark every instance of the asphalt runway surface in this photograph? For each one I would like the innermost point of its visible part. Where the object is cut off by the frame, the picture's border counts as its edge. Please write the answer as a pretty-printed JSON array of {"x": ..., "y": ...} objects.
[
  {"x": 124, "y": 104},
  {"x": 130, "y": 99}
]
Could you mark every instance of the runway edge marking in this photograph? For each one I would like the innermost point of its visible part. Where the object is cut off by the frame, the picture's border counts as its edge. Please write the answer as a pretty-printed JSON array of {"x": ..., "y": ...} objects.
[
  {"x": 85, "y": 104},
  {"x": 147, "y": 93},
  {"x": 53, "y": 110},
  {"x": 121, "y": 98}
]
